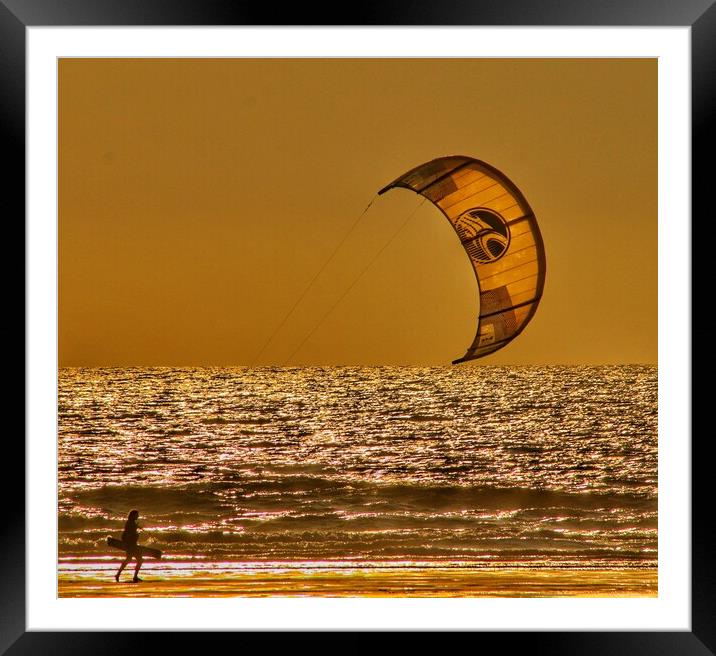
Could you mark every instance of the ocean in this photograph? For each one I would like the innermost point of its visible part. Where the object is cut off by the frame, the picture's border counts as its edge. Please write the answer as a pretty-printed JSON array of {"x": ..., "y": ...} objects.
[{"x": 530, "y": 466}]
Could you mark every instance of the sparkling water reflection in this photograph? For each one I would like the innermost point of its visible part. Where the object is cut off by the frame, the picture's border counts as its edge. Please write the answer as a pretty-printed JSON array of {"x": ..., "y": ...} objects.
[{"x": 551, "y": 465}]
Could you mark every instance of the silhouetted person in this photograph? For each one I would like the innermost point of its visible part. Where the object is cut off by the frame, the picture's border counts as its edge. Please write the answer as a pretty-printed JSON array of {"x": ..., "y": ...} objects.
[{"x": 130, "y": 535}]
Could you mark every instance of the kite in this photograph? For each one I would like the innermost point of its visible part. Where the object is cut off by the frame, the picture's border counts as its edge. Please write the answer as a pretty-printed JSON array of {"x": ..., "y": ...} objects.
[{"x": 499, "y": 233}]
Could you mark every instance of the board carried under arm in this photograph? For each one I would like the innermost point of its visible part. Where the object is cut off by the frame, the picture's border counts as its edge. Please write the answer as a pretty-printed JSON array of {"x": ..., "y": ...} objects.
[{"x": 143, "y": 551}]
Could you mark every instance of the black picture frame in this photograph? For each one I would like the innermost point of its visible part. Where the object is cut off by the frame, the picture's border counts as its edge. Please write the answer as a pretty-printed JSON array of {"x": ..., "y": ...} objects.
[{"x": 17, "y": 15}]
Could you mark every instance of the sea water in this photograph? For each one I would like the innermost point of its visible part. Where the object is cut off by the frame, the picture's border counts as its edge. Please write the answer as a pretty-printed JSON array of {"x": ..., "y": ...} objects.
[{"x": 536, "y": 466}]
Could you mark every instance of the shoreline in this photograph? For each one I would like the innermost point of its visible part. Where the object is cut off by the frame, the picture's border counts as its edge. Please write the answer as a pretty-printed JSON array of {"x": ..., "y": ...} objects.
[{"x": 363, "y": 582}]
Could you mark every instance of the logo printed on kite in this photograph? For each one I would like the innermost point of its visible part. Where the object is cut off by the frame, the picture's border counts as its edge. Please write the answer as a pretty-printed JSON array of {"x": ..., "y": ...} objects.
[{"x": 483, "y": 233}]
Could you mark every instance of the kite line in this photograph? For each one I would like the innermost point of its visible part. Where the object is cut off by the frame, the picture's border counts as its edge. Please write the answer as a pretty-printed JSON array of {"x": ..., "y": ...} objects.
[
  {"x": 355, "y": 281},
  {"x": 312, "y": 282}
]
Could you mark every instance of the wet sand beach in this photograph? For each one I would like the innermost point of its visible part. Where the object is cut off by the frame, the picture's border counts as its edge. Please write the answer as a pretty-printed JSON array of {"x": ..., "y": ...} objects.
[{"x": 374, "y": 582}]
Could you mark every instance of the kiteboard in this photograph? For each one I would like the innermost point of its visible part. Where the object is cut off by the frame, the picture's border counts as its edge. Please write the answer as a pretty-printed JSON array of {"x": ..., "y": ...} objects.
[{"x": 143, "y": 551}]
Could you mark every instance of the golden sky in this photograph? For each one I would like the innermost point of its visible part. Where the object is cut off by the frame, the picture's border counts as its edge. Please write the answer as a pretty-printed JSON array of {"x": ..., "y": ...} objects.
[{"x": 199, "y": 197}]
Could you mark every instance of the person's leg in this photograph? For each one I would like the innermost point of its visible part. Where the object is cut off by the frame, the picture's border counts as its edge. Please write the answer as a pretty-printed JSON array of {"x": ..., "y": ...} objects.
[
  {"x": 136, "y": 569},
  {"x": 121, "y": 567}
]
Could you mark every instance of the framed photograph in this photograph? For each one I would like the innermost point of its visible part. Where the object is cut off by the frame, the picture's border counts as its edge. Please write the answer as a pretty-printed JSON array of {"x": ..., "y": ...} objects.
[{"x": 270, "y": 387}]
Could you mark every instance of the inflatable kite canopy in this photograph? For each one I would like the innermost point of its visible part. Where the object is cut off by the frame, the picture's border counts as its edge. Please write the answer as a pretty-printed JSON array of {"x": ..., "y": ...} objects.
[{"x": 499, "y": 233}]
